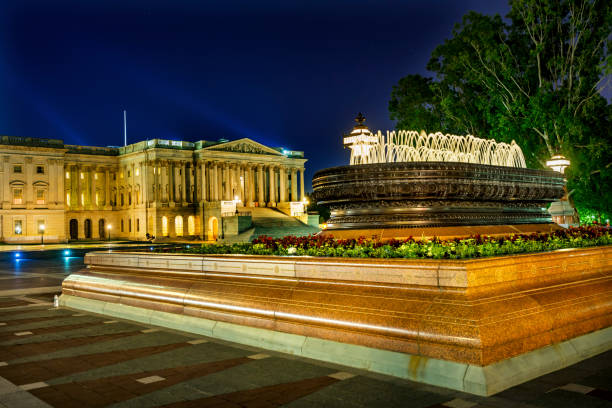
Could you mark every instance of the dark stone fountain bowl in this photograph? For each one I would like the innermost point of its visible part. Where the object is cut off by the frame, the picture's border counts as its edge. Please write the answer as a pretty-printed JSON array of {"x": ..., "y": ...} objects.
[{"x": 435, "y": 194}]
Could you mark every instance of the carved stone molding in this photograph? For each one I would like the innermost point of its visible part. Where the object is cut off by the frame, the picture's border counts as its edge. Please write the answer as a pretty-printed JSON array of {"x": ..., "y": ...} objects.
[{"x": 435, "y": 194}]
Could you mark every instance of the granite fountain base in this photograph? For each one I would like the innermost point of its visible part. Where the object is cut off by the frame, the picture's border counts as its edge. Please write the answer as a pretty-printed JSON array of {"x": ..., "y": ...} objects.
[{"x": 479, "y": 326}]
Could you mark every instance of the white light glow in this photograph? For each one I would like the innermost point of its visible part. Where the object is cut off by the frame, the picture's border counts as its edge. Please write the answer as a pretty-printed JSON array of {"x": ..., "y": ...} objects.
[
  {"x": 558, "y": 163},
  {"x": 412, "y": 146}
]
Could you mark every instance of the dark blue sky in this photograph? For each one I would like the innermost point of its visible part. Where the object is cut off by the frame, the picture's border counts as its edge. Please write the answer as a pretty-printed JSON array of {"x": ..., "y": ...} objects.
[{"x": 286, "y": 73}]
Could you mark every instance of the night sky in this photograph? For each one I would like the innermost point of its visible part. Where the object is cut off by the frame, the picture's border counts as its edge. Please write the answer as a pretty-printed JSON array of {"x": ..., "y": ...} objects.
[{"x": 287, "y": 74}]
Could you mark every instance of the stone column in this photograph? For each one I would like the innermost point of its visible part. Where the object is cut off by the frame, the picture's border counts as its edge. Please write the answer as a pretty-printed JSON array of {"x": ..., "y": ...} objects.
[
  {"x": 183, "y": 182},
  {"x": 29, "y": 187},
  {"x": 94, "y": 174},
  {"x": 203, "y": 182},
  {"x": 283, "y": 184},
  {"x": 164, "y": 180},
  {"x": 294, "y": 196},
  {"x": 272, "y": 198},
  {"x": 51, "y": 197},
  {"x": 251, "y": 197},
  {"x": 107, "y": 187},
  {"x": 228, "y": 182},
  {"x": 78, "y": 188},
  {"x": 302, "y": 196},
  {"x": 192, "y": 192},
  {"x": 132, "y": 189},
  {"x": 260, "y": 185}
]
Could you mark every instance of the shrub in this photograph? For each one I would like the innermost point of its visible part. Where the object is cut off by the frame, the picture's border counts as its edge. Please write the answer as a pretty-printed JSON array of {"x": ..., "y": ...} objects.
[{"x": 458, "y": 248}]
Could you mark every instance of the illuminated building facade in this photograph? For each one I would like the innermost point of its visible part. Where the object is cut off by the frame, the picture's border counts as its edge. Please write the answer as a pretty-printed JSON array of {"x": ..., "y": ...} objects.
[{"x": 161, "y": 187}]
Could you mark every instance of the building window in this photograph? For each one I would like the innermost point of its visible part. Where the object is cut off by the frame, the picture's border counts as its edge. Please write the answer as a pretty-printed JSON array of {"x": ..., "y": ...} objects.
[
  {"x": 41, "y": 226},
  {"x": 82, "y": 176},
  {"x": 40, "y": 169},
  {"x": 121, "y": 225},
  {"x": 67, "y": 175},
  {"x": 129, "y": 174},
  {"x": 82, "y": 198},
  {"x": 16, "y": 169},
  {"x": 137, "y": 224},
  {"x": 137, "y": 172},
  {"x": 114, "y": 176},
  {"x": 95, "y": 176},
  {"x": 121, "y": 175},
  {"x": 18, "y": 227},
  {"x": 130, "y": 225},
  {"x": 129, "y": 198},
  {"x": 18, "y": 196},
  {"x": 178, "y": 226},
  {"x": 40, "y": 196},
  {"x": 68, "y": 199},
  {"x": 97, "y": 199},
  {"x": 164, "y": 226},
  {"x": 122, "y": 202}
]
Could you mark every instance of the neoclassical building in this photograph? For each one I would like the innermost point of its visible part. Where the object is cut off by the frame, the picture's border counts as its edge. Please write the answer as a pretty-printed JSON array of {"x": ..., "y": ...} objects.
[{"x": 165, "y": 188}]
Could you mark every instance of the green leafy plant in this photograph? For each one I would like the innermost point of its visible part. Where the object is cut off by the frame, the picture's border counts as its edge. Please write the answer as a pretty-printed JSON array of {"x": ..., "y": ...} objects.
[{"x": 459, "y": 248}]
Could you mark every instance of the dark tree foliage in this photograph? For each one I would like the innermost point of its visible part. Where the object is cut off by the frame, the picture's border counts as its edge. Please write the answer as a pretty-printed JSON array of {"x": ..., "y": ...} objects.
[{"x": 535, "y": 79}]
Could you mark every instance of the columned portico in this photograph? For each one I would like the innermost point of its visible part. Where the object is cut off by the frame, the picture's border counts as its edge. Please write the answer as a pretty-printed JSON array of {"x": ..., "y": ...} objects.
[{"x": 165, "y": 188}]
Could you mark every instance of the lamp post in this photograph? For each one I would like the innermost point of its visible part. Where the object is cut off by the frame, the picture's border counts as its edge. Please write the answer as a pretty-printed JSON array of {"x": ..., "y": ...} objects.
[
  {"x": 41, "y": 228},
  {"x": 561, "y": 209},
  {"x": 109, "y": 230}
]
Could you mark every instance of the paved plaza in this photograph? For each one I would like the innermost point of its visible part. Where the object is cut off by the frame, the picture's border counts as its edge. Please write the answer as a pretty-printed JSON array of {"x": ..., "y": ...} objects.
[{"x": 65, "y": 358}]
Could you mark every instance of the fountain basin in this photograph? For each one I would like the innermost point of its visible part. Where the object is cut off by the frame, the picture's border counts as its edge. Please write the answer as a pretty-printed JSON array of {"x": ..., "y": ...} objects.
[{"x": 435, "y": 194}]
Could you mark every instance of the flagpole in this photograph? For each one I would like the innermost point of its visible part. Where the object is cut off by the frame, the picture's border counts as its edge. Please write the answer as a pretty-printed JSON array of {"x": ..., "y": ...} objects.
[{"x": 124, "y": 128}]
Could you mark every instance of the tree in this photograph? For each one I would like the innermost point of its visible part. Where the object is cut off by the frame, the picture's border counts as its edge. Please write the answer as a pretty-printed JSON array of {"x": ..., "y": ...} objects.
[{"x": 536, "y": 80}]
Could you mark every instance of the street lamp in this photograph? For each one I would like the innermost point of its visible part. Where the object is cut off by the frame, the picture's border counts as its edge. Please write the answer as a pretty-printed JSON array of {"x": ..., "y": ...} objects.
[
  {"x": 558, "y": 163},
  {"x": 109, "y": 229},
  {"x": 41, "y": 228}
]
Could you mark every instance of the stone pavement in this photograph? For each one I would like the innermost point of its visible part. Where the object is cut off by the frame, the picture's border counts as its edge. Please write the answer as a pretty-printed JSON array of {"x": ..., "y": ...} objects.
[{"x": 65, "y": 358}]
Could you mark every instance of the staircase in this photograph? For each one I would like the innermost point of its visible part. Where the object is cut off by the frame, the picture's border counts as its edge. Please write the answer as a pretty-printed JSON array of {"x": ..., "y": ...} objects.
[{"x": 273, "y": 223}]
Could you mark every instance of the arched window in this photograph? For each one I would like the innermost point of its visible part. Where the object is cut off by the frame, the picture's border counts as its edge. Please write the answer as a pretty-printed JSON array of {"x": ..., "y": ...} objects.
[
  {"x": 130, "y": 198},
  {"x": 191, "y": 225},
  {"x": 165, "y": 226},
  {"x": 178, "y": 226},
  {"x": 122, "y": 202}
]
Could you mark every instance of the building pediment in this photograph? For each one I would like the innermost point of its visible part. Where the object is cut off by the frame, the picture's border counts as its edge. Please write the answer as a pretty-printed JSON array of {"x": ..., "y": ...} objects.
[{"x": 244, "y": 146}]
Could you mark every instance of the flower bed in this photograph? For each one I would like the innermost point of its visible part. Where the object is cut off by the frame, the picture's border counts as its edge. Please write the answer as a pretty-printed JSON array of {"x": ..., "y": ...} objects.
[{"x": 472, "y": 247}]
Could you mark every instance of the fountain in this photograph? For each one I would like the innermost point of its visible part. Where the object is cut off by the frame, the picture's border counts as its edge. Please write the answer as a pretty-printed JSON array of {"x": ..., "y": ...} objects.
[{"x": 405, "y": 180}]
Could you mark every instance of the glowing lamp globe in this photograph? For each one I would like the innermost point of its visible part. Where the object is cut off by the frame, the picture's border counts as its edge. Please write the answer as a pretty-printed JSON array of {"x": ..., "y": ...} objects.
[{"x": 558, "y": 163}]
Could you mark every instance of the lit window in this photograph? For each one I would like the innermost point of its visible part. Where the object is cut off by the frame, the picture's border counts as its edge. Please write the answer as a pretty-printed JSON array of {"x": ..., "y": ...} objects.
[
  {"x": 82, "y": 176},
  {"x": 41, "y": 226},
  {"x": 82, "y": 198},
  {"x": 18, "y": 227},
  {"x": 121, "y": 175},
  {"x": 95, "y": 176},
  {"x": 16, "y": 169},
  {"x": 178, "y": 226},
  {"x": 154, "y": 170},
  {"x": 68, "y": 198},
  {"x": 67, "y": 175},
  {"x": 164, "y": 226},
  {"x": 137, "y": 172},
  {"x": 40, "y": 169},
  {"x": 97, "y": 198},
  {"x": 40, "y": 196},
  {"x": 17, "y": 196}
]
